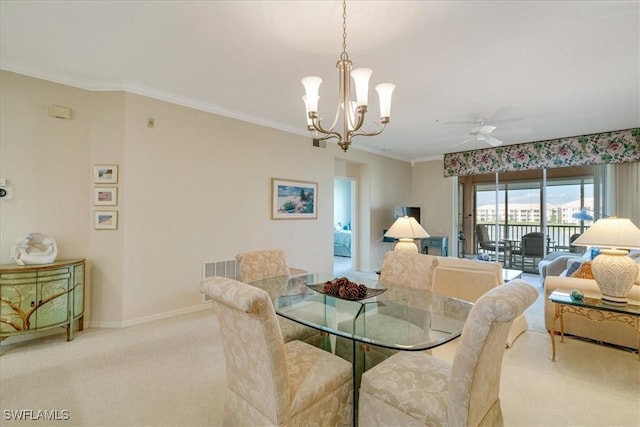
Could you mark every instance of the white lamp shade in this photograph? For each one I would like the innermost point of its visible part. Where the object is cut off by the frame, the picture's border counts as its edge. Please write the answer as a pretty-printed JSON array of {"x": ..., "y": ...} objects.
[
  {"x": 614, "y": 233},
  {"x": 361, "y": 77},
  {"x": 312, "y": 87},
  {"x": 406, "y": 227},
  {"x": 385, "y": 90}
]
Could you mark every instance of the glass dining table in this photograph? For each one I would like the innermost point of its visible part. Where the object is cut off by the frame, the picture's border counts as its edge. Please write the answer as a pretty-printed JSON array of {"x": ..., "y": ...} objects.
[{"x": 387, "y": 319}]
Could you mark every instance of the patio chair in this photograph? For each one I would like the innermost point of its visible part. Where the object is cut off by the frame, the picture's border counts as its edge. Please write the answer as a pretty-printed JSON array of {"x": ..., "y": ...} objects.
[
  {"x": 484, "y": 241},
  {"x": 532, "y": 248}
]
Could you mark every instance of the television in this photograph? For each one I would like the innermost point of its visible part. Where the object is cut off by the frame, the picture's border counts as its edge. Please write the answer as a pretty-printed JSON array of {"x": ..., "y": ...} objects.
[{"x": 399, "y": 211}]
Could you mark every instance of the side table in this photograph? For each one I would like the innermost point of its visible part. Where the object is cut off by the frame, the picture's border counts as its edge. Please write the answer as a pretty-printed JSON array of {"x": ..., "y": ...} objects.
[{"x": 593, "y": 309}]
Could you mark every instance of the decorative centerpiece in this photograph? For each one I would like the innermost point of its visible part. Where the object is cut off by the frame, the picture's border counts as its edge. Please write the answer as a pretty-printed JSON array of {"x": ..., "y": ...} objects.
[
  {"x": 345, "y": 288},
  {"x": 342, "y": 287}
]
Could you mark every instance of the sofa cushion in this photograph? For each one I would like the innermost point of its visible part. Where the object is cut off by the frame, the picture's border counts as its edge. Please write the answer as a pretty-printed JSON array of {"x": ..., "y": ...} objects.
[
  {"x": 572, "y": 266},
  {"x": 583, "y": 271}
]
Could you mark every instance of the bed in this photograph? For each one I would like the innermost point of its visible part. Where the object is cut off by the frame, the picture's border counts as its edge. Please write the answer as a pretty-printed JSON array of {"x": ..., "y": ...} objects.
[{"x": 342, "y": 243}]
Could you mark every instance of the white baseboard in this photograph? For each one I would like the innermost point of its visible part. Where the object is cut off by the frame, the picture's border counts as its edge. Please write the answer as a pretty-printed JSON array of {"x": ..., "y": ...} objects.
[{"x": 151, "y": 318}]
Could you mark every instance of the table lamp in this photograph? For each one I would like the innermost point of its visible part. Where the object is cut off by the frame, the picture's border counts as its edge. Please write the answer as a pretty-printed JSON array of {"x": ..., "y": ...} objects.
[
  {"x": 405, "y": 229},
  {"x": 613, "y": 270}
]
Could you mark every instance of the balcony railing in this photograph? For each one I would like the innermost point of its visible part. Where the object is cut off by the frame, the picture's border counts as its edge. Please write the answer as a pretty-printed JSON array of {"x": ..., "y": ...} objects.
[{"x": 558, "y": 235}]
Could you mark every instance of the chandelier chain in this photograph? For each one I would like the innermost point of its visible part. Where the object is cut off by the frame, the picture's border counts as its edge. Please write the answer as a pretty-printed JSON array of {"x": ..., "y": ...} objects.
[{"x": 344, "y": 54}]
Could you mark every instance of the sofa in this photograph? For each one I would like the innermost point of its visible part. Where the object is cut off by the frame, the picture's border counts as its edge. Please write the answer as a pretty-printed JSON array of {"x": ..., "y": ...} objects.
[{"x": 616, "y": 333}]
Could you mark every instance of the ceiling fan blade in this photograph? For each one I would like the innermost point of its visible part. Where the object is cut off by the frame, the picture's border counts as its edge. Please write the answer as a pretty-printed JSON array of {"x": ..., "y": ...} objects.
[
  {"x": 482, "y": 130},
  {"x": 494, "y": 142},
  {"x": 466, "y": 141}
]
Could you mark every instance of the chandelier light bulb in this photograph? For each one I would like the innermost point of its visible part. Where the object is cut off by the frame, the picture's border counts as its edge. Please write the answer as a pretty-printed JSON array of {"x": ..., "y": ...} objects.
[
  {"x": 312, "y": 87},
  {"x": 385, "y": 90},
  {"x": 361, "y": 77}
]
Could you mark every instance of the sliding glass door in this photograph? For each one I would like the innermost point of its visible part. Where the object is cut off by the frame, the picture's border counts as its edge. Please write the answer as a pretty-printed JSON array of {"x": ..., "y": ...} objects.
[{"x": 518, "y": 207}]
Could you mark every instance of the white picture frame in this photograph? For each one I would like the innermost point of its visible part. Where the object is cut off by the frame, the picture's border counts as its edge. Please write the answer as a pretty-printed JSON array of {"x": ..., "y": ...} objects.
[
  {"x": 106, "y": 220},
  {"x": 105, "y": 174},
  {"x": 105, "y": 196}
]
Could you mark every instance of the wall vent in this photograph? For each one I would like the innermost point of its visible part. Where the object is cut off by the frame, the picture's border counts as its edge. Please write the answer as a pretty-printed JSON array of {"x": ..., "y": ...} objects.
[{"x": 220, "y": 268}]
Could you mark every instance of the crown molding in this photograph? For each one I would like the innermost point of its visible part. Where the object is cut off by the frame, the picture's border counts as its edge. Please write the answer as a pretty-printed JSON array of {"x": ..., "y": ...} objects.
[{"x": 134, "y": 88}]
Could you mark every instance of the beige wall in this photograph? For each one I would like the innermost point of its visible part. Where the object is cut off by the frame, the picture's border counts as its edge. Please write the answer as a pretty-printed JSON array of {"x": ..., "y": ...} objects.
[
  {"x": 435, "y": 195},
  {"x": 194, "y": 188}
]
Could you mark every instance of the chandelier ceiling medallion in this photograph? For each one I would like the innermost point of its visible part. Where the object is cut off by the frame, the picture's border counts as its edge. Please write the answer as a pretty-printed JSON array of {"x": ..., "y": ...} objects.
[{"x": 353, "y": 115}]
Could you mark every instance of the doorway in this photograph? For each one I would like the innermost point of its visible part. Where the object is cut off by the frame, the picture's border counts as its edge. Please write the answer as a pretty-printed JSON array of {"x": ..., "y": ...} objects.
[{"x": 343, "y": 225}]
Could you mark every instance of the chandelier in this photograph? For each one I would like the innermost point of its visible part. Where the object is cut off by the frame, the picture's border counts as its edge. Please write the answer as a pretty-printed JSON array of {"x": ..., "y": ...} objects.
[{"x": 353, "y": 112}]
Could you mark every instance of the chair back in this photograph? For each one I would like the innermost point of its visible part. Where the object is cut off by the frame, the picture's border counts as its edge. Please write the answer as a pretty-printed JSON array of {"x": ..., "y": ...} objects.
[
  {"x": 475, "y": 375},
  {"x": 264, "y": 264},
  {"x": 572, "y": 248},
  {"x": 482, "y": 233},
  {"x": 254, "y": 352},
  {"x": 408, "y": 269},
  {"x": 533, "y": 244}
]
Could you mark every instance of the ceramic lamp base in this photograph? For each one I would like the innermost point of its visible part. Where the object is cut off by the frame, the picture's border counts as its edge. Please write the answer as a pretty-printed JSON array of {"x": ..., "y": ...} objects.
[
  {"x": 614, "y": 273},
  {"x": 406, "y": 245}
]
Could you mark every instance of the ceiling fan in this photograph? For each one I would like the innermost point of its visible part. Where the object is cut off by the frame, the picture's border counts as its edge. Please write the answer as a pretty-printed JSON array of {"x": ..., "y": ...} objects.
[{"x": 481, "y": 133}]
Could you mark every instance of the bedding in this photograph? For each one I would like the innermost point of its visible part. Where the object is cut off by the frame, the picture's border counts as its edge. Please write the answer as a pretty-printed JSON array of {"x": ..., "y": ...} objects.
[{"x": 342, "y": 243}]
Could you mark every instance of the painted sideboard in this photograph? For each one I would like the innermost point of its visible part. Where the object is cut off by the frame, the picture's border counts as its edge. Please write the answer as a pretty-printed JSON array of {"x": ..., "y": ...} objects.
[{"x": 38, "y": 297}]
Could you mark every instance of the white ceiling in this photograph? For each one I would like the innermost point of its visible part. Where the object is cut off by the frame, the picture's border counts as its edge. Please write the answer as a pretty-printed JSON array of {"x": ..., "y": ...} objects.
[{"x": 536, "y": 70}]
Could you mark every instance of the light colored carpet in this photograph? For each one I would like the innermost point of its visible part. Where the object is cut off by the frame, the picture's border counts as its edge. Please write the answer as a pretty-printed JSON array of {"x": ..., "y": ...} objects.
[{"x": 171, "y": 373}]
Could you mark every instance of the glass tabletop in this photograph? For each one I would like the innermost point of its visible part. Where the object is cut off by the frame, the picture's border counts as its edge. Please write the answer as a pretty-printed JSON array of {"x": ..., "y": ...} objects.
[
  {"x": 564, "y": 297},
  {"x": 399, "y": 318}
]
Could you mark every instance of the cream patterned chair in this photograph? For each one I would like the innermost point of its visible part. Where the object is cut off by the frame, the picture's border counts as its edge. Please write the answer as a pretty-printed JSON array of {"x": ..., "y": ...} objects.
[
  {"x": 413, "y": 388},
  {"x": 270, "y": 382},
  {"x": 268, "y": 263},
  {"x": 408, "y": 269},
  {"x": 403, "y": 270}
]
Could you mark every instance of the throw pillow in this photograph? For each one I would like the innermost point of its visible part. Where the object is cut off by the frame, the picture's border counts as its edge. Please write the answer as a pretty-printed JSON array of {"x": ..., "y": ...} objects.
[
  {"x": 572, "y": 266},
  {"x": 634, "y": 254},
  {"x": 584, "y": 272}
]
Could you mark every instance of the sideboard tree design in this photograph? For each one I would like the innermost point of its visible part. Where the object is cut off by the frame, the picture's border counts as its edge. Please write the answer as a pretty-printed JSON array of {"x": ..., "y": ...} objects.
[{"x": 38, "y": 297}]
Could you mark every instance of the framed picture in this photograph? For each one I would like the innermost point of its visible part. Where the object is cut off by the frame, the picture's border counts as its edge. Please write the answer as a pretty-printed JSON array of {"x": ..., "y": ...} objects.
[
  {"x": 105, "y": 174},
  {"x": 105, "y": 196},
  {"x": 106, "y": 220},
  {"x": 293, "y": 199}
]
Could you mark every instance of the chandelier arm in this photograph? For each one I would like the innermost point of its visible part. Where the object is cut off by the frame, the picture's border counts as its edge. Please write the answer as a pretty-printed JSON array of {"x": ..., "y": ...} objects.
[
  {"x": 361, "y": 112},
  {"x": 317, "y": 126},
  {"x": 363, "y": 133}
]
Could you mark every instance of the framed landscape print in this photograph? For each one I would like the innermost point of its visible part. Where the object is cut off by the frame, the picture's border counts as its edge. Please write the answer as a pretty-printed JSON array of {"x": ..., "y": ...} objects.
[
  {"x": 106, "y": 220},
  {"x": 105, "y": 174},
  {"x": 292, "y": 199},
  {"x": 105, "y": 196}
]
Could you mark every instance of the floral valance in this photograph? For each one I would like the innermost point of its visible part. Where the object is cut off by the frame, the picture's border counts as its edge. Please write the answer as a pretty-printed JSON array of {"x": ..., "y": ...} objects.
[{"x": 607, "y": 147}]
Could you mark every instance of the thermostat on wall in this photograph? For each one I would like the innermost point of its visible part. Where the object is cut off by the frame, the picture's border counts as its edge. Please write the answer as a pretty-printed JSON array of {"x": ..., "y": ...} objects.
[{"x": 59, "y": 112}]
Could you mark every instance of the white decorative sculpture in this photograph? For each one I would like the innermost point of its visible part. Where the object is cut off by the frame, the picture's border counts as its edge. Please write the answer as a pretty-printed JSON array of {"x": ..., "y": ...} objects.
[{"x": 35, "y": 248}]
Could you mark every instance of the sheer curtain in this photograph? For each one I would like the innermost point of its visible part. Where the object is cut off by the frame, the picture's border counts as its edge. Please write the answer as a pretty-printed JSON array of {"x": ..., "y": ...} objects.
[{"x": 623, "y": 190}]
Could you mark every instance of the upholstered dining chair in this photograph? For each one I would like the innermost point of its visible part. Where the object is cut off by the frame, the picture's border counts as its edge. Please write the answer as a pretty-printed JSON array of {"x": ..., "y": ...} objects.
[
  {"x": 270, "y": 382},
  {"x": 268, "y": 263},
  {"x": 403, "y": 270},
  {"x": 413, "y": 388},
  {"x": 408, "y": 269}
]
